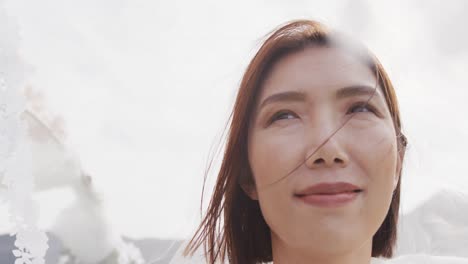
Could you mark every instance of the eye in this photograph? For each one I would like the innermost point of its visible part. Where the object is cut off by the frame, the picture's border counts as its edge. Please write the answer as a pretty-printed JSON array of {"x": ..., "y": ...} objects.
[
  {"x": 361, "y": 107},
  {"x": 283, "y": 114}
]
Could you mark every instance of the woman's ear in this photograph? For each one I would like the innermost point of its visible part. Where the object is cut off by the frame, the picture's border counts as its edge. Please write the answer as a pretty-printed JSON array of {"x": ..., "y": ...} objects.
[
  {"x": 398, "y": 171},
  {"x": 395, "y": 182},
  {"x": 403, "y": 142},
  {"x": 247, "y": 183},
  {"x": 250, "y": 190}
]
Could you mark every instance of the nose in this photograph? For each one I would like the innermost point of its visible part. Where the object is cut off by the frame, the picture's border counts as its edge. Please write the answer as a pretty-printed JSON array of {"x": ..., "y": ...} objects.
[{"x": 325, "y": 148}]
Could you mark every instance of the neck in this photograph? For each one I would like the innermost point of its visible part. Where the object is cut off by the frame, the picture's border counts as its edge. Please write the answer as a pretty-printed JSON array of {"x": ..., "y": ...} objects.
[{"x": 284, "y": 254}]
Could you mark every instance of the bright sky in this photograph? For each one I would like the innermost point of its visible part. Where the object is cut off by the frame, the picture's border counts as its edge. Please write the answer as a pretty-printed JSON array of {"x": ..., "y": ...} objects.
[{"x": 145, "y": 88}]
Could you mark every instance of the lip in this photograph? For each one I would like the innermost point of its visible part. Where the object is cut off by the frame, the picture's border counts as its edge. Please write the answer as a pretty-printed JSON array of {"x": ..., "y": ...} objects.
[
  {"x": 329, "y": 200},
  {"x": 329, "y": 194},
  {"x": 328, "y": 188}
]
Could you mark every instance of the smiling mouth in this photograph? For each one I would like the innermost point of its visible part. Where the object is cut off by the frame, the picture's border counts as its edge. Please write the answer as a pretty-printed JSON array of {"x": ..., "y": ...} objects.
[
  {"x": 328, "y": 193},
  {"x": 329, "y": 200}
]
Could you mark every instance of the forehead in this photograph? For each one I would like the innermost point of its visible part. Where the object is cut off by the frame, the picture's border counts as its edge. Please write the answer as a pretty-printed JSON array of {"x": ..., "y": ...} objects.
[{"x": 317, "y": 71}]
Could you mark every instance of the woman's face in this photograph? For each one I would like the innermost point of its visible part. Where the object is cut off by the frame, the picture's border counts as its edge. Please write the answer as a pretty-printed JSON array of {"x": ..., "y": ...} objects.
[{"x": 307, "y": 96}]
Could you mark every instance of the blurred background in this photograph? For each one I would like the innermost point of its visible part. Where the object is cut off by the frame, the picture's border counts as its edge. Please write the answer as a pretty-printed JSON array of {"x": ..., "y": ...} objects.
[{"x": 140, "y": 92}]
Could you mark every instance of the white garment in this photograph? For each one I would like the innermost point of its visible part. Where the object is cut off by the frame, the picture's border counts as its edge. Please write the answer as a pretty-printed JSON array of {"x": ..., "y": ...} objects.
[
  {"x": 420, "y": 259},
  {"x": 404, "y": 259}
]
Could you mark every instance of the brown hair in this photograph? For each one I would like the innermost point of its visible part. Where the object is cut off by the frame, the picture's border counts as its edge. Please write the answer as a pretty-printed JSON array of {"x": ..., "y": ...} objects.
[{"x": 234, "y": 227}]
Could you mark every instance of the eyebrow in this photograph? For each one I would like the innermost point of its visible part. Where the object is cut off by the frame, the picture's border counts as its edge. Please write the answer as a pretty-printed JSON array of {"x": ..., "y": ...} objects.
[
  {"x": 356, "y": 90},
  {"x": 348, "y": 91}
]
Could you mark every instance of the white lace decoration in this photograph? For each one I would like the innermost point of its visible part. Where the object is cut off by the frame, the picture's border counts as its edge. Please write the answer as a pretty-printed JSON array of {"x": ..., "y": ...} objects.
[
  {"x": 129, "y": 253},
  {"x": 16, "y": 179}
]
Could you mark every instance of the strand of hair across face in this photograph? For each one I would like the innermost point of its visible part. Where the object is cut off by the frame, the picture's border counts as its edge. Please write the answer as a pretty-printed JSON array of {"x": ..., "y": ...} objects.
[{"x": 324, "y": 142}]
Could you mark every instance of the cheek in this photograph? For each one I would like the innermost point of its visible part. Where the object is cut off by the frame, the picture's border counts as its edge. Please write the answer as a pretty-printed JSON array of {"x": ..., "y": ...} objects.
[
  {"x": 273, "y": 155},
  {"x": 375, "y": 152},
  {"x": 375, "y": 148}
]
